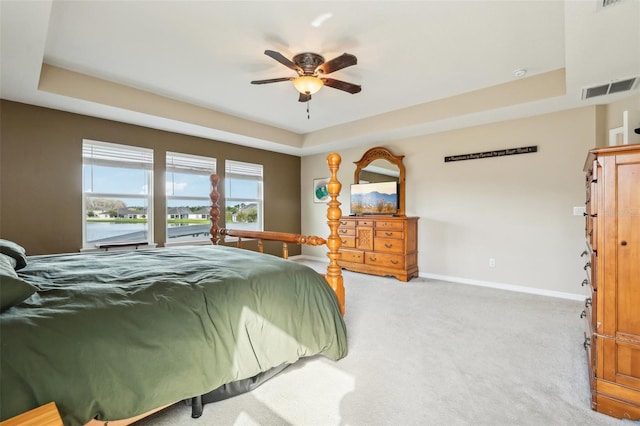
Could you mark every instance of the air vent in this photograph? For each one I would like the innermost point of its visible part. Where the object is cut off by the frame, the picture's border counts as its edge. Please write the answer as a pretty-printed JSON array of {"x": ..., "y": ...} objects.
[
  {"x": 606, "y": 3},
  {"x": 610, "y": 88}
]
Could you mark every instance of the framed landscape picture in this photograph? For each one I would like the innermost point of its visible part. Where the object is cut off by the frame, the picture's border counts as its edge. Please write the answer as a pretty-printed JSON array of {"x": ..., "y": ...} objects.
[{"x": 320, "y": 191}]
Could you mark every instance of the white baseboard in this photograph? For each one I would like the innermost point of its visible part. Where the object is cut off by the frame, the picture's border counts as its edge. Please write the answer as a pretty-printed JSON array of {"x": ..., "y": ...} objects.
[
  {"x": 458, "y": 280},
  {"x": 509, "y": 287}
]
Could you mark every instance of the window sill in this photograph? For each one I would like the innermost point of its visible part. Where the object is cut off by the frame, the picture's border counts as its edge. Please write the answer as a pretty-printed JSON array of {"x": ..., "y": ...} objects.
[{"x": 115, "y": 248}]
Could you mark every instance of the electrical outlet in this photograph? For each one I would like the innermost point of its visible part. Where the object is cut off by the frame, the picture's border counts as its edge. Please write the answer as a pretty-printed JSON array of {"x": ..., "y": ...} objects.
[
  {"x": 492, "y": 262},
  {"x": 579, "y": 211}
]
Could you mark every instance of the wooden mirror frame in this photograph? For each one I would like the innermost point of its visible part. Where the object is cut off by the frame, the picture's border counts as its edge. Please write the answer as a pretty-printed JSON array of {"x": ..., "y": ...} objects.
[{"x": 380, "y": 153}]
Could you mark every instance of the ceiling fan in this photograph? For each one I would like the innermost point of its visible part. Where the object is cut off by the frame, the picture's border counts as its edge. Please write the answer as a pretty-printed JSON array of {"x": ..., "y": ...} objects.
[{"x": 310, "y": 68}]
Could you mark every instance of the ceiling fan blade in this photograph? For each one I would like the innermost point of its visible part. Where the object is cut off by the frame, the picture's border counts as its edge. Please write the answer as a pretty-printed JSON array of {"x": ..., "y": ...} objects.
[
  {"x": 341, "y": 85},
  {"x": 283, "y": 60},
  {"x": 342, "y": 61},
  {"x": 304, "y": 97},
  {"x": 272, "y": 80}
]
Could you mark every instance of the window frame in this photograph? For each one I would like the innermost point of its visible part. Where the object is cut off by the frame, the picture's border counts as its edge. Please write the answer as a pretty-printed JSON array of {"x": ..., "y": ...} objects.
[
  {"x": 122, "y": 156},
  {"x": 242, "y": 170},
  {"x": 179, "y": 162}
]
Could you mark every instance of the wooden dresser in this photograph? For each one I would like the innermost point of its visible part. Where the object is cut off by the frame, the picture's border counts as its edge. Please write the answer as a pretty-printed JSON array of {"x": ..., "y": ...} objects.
[
  {"x": 612, "y": 266},
  {"x": 380, "y": 245}
]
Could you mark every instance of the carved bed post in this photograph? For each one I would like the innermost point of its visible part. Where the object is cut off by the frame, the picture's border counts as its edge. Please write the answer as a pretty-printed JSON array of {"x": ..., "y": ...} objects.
[
  {"x": 215, "y": 210},
  {"x": 334, "y": 272}
]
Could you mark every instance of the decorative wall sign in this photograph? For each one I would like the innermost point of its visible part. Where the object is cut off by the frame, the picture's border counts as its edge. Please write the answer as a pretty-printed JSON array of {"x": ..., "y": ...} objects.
[
  {"x": 490, "y": 154},
  {"x": 320, "y": 190}
]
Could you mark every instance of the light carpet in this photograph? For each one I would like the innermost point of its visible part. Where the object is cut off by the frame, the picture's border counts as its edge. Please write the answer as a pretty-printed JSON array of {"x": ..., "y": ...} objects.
[{"x": 428, "y": 352}]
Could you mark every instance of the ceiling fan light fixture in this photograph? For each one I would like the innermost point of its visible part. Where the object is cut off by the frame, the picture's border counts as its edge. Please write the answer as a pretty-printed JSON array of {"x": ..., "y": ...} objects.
[{"x": 307, "y": 84}]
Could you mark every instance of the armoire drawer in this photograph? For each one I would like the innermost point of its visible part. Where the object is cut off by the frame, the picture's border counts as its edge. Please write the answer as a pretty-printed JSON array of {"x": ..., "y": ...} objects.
[{"x": 590, "y": 269}]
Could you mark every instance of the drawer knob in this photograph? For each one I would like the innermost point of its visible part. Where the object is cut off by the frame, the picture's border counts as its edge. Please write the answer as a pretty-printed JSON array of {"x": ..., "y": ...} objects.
[
  {"x": 388, "y": 234},
  {"x": 395, "y": 262},
  {"x": 373, "y": 259},
  {"x": 623, "y": 243},
  {"x": 344, "y": 241},
  {"x": 388, "y": 245}
]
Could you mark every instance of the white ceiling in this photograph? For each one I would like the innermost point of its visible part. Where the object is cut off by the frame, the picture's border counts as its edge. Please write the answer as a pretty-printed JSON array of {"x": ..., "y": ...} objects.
[{"x": 410, "y": 54}]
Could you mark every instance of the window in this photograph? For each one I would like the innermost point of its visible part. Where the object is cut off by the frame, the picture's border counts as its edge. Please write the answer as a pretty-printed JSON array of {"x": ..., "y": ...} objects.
[
  {"x": 243, "y": 195},
  {"x": 117, "y": 197},
  {"x": 188, "y": 203}
]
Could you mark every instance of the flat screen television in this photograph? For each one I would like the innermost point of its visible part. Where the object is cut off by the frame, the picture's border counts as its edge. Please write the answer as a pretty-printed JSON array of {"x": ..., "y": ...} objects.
[{"x": 374, "y": 198}]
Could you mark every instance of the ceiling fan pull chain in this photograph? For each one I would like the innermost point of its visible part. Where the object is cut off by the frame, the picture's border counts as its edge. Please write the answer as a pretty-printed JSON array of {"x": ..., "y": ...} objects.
[{"x": 308, "y": 115}]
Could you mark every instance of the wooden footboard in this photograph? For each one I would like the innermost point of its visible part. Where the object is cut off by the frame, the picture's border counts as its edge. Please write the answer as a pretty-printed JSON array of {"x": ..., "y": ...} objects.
[{"x": 334, "y": 272}]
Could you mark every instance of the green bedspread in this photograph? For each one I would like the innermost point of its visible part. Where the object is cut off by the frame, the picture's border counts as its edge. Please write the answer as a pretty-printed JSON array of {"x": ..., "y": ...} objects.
[{"x": 113, "y": 335}]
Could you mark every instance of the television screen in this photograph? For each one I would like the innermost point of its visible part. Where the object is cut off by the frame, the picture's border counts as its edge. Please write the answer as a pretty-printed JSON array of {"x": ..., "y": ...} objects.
[{"x": 374, "y": 198}]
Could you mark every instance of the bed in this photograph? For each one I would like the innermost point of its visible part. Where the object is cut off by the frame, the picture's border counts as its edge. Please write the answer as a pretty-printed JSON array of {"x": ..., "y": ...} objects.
[{"x": 113, "y": 336}]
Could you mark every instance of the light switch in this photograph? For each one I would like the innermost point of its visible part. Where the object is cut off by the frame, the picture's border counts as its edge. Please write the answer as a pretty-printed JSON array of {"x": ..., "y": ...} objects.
[{"x": 579, "y": 211}]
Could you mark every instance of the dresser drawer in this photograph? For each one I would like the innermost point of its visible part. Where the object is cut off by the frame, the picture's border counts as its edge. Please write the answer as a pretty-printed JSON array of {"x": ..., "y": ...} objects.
[
  {"x": 386, "y": 233},
  {"x": 348, "y": 241},
  {"x": 354, "y": 256},
  {"x": 390, "y": 225},
  {"x": 347, "y": 231},
  {"x": 386, "y": 260},
  {"x": 388, "y": 245},
  {"x": 365, "y": 222},
  {"x": 347, "y": 223}
]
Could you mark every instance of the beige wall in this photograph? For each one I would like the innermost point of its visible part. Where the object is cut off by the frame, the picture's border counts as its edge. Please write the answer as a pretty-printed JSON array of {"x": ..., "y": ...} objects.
[
  {"x": 41, "y": 174},
  {"x": 516, "y": 209},
  {"x": 613, "y": 118}
]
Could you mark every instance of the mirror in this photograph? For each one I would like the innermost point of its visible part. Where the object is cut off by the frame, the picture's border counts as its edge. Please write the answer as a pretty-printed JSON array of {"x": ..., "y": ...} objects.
[{"x": 380, "y": 165}]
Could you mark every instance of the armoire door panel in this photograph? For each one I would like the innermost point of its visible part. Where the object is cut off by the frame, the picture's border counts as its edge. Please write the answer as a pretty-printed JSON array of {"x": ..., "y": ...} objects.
[{"x": 628, "y": 249}]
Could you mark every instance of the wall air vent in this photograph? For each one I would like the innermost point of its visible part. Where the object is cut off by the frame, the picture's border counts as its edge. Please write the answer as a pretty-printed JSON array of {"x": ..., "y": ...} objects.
[
  {"x": 606, "y": 3},
  {"x": 610, "y": 88}
]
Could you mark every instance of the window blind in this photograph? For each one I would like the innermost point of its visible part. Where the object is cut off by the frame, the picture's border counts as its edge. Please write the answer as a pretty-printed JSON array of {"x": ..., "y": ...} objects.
[
  {"x": 241, "y": 170},
  {"x": 115, "y": 155},
  {"x": 187, "y": 163}
]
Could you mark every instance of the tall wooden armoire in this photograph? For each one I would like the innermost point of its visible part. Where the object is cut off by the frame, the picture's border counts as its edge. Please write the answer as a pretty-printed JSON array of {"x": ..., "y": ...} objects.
[{"x": 612, "y": 310}]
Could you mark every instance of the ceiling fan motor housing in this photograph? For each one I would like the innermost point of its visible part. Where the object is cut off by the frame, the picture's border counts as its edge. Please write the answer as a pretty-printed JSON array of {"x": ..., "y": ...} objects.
[{"x": 308, "y": 61}]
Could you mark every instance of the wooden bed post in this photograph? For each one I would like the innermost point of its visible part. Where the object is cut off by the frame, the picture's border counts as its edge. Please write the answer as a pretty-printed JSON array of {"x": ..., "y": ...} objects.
[
  {"x": 215, "y": 210},
  {"x": 334, "y": 213}
]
